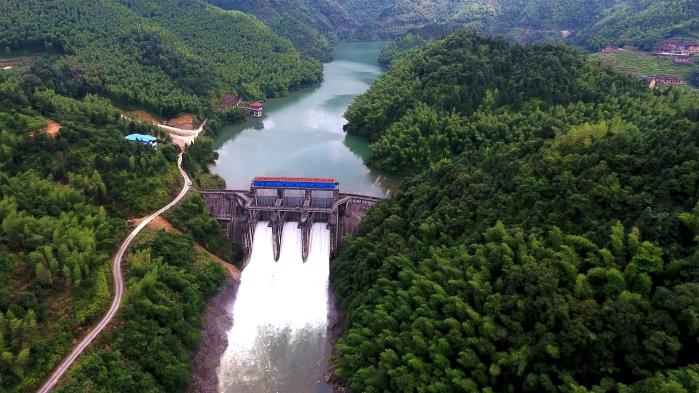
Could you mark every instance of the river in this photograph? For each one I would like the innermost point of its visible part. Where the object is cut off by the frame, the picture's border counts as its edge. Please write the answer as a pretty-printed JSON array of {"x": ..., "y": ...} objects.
[
  {"x": 278, "y": 342},
  {"x": 301, "y": 135}
]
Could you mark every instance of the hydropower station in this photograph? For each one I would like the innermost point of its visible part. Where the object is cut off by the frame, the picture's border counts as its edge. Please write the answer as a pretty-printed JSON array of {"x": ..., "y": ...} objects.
[{"x": 282, "y": 200}]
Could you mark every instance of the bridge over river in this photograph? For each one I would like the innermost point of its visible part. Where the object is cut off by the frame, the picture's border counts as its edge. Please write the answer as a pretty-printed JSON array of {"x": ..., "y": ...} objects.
[{"x": 288, "y": 199}]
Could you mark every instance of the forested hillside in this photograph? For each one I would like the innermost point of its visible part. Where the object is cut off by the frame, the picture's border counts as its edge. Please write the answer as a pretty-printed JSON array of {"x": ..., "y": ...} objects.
[
  {"x": 549, "y": 242},
  {"x": 642, "y": 23},
  {"x": 415, "y": 40},
  {"x": 166, "y": 56},
  {"x": 63, "y": 201},
  {"x": 160, "y": 322},
  {"x": 592, "y": 24},
  {"x": 457, "y": 92},
  {"x": 387, "y": 19},
  {"x": 313, "y": 26}
]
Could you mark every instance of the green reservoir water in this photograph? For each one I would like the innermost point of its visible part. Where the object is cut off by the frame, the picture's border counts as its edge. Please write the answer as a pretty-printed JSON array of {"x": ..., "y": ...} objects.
[{"x": 301, "y": 135}]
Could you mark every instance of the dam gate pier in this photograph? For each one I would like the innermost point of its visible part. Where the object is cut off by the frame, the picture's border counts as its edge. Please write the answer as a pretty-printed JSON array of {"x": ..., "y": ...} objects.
[{"x": 288, "y": 199}]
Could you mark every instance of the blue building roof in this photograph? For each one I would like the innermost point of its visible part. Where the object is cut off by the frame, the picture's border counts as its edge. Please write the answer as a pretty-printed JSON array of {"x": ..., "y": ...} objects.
[
  {"x": 289, "y": 184},
  {"x": 295, "y": 182},
  {"x": 141, "y": 138}
]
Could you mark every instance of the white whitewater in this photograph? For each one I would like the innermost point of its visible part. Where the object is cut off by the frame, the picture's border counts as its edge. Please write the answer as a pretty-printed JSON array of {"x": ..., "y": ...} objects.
[{"x": 278, "y": 342}]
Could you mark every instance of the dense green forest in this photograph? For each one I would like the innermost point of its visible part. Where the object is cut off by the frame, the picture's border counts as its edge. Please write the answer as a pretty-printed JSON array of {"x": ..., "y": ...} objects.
[
  {"x": 549, "y": 241},
  {"x": 389, "y": 18},
  {"x": 413, "y": 41},
  {"x": 63, "y": 201},
  {"x": 165, "y": 56},
  {"x": 459, "y": 92},
  {"x": 386, "y": 19},
  {"x": 642, "y": 23},
  {"x": 592, "y": 24},
  {"x": 160, "y": 321},
  {"x": 313, "y": 26}
]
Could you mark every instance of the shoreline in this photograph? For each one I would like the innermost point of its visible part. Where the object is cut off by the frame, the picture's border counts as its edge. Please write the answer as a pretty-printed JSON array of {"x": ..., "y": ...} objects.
[
  {"x": 206, "y": 358},
  {"x": 337, "y": 325}
]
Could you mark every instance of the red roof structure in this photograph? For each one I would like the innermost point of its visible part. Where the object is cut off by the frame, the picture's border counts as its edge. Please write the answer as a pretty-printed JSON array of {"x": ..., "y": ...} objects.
[{"x": 256, "y": 105}]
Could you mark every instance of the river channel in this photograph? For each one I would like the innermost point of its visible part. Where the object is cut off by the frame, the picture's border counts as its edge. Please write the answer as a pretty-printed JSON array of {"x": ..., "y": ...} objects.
[{"x": 279, "y": 339}]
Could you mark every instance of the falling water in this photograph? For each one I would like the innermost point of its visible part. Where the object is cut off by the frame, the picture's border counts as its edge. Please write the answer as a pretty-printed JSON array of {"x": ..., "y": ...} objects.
[{"x": 278, "y": 342}]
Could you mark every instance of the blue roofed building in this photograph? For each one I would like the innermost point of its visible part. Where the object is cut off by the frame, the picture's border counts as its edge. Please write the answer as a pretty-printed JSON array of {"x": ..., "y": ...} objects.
[{"x": 143, "y": 139}]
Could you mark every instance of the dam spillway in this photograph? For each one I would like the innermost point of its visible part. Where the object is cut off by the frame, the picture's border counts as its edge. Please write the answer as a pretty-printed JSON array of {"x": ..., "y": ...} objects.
[
  {"x": 279, "y": 200},
  {"x": 280, "y": 315},
  {"x": 289, "y": 228}
]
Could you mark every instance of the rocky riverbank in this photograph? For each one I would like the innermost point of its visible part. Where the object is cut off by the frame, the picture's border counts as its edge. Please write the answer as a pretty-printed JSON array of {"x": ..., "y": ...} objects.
[
  {"x": 217, "y": 323},
  {"x": 336, "y": 328}
]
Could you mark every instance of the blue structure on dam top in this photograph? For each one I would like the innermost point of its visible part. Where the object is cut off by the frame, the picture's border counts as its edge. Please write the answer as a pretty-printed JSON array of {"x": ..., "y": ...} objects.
[{"x": 310, "y": 183}]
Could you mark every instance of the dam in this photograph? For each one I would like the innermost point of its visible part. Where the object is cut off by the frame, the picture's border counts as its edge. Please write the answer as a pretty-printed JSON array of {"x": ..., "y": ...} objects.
[
  {"x": 278, "y": 340},
  {"x": 289, "y": 228},
  {"x": 279, "y": 201}
]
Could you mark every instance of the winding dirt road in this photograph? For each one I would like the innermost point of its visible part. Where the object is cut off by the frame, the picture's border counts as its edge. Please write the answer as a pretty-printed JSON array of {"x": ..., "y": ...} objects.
[{"x": 118, "y": 288}]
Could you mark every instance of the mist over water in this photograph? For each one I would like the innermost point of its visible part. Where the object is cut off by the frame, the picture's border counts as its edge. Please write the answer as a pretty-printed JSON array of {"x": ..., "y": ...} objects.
[{"x": 278, "y": 342}]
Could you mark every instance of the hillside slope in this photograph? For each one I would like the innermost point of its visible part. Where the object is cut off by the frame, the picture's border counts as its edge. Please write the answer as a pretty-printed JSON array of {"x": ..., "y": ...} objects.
[
  {"x": 388, "y": 18},
  {"x": 549, "y": 242},
  {"x": 64, "y": 197},
  {"x": 642, "y": 23},
  {"x": 439, "y": 101},
  {"x": 313, "y": 26},
  {"x": 167, "y": 56},
  {"x": 593, "y": 24}
]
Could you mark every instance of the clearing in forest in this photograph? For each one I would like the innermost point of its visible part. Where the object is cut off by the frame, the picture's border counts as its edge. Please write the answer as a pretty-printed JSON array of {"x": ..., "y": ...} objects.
[
  {"x": 184, "y": 122},
  {"x": 635, "y": 62},
  {"x": 52, "y": 128},
  {"x": 9, "y": 63}
]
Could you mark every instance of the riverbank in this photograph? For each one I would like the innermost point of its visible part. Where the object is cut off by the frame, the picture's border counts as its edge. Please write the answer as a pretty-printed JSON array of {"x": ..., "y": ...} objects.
[
  {"x": 337, "y": 325},
  {"x": 217, "y": 321}
]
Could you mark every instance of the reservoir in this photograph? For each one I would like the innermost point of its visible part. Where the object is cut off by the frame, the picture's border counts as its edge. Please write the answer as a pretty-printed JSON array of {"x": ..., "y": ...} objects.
[
  {"x": 279, "y": 340},
  {"x": 301, "y": 135}
]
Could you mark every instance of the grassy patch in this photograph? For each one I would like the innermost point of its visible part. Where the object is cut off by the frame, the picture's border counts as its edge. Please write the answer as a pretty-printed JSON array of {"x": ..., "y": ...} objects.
[{"x": 641, "y": 63}]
